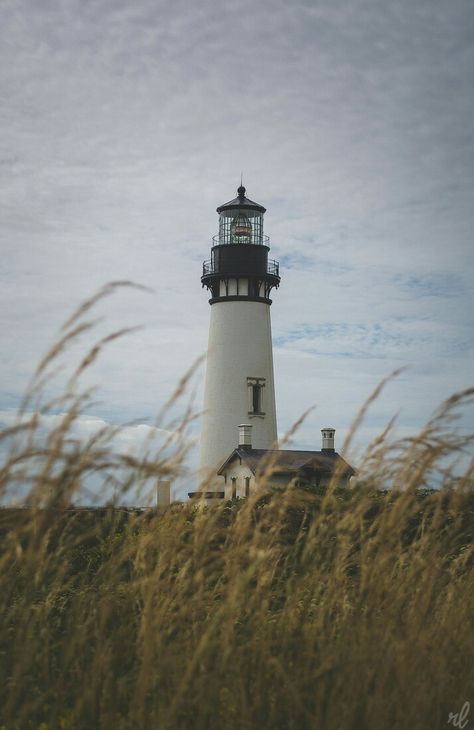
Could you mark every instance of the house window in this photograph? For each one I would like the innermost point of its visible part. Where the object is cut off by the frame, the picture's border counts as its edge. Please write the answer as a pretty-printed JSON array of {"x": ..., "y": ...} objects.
[
  {"x": 255, "y": 388},
  {"x": 234, "y": 487},
  {"x": 247, "y": 486}
]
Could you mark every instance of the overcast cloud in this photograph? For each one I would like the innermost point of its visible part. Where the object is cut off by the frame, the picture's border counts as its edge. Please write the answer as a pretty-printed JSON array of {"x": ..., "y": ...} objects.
[{"x": 124, "y": 125}]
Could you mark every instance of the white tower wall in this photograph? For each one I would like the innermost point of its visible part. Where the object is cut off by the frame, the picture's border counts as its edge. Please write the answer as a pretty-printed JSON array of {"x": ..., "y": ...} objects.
[{"x": 239, "y": 356}]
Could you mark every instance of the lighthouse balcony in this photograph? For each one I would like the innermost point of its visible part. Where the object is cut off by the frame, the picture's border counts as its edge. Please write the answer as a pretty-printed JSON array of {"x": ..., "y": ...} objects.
[{"x": 212, "y": 268}]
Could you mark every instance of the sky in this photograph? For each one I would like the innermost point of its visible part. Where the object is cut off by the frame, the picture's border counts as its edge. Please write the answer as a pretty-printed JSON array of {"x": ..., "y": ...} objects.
[{"x": 124, "y": 125}]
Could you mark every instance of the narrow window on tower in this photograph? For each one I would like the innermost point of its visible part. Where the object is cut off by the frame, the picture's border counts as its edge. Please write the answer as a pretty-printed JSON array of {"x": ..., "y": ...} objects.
[
  {"x": 247, "y": 486},
  {"x": 234, "y": 487},
  {"x": 255, "y": 390},
  {"x": 256, "y": 398}
]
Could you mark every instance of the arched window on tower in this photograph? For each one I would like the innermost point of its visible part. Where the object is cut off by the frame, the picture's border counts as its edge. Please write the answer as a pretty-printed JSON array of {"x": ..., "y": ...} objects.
[
  {"x": 256, "y": 397},
  {"x": 255, "y": 387}
]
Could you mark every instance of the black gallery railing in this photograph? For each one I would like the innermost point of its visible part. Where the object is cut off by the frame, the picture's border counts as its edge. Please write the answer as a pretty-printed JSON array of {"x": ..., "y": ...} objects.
[
  {"x": 208, "y": 268},
  {"x": 227, "y": 239}
]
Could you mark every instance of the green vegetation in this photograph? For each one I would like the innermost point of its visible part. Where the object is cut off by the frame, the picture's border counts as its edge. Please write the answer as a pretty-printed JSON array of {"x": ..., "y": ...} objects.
[{"x": 290, "y": 610}]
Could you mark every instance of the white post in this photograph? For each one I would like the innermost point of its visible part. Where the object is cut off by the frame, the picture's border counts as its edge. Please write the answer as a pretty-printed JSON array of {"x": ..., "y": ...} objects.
[{"x": 163, "y": 494}]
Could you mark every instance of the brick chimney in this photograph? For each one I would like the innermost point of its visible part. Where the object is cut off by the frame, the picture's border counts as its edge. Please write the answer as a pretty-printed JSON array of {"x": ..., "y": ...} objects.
[
  {"x": 328, "y": 440},
  {"x": 245, "y": 436}
]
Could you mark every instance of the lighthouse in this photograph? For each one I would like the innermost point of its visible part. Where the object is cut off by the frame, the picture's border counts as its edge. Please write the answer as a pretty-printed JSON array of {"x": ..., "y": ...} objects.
[{"x": 239, "y": 386}]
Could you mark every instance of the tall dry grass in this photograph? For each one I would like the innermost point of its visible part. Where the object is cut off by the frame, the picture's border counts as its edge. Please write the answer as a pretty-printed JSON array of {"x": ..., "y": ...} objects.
[{"x": 344, "y": 609}]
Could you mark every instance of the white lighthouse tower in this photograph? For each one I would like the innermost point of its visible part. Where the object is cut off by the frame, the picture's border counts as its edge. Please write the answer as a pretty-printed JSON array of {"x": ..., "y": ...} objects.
[{"x": 239, "y": 385}]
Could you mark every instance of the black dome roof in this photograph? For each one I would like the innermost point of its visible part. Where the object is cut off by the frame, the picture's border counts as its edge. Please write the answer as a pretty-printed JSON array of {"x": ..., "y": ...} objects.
[{"x": 241, "y": 202}]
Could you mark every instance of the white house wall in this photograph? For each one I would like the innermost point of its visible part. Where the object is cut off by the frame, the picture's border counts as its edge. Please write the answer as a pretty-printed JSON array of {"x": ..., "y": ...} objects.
[{"x": 240, "y": 472}]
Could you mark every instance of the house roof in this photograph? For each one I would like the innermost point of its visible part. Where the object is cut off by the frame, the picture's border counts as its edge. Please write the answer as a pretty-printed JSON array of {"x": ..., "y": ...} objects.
[{"x": 287, "y": 461}]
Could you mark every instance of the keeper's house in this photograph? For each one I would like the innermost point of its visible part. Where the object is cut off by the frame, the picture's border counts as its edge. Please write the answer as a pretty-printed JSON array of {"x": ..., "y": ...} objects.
[{"x": 245, "y": 465}]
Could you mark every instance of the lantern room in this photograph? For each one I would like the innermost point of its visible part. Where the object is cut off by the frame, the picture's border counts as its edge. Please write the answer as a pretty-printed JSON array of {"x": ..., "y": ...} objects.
[
  {"x": 239, "y": 267},
  {"x": 240, "y": 221}
]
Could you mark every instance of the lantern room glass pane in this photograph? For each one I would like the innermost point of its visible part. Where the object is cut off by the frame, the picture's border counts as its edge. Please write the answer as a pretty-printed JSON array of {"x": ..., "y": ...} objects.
[{"x": 241, "y": 225}]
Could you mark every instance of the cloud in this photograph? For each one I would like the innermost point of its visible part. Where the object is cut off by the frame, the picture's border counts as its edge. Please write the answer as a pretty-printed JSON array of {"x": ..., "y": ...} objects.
[
  {"x": 139, "y": 440},
  {"x": 134, "y": 438},
  {"x": 127, "y": 124}
]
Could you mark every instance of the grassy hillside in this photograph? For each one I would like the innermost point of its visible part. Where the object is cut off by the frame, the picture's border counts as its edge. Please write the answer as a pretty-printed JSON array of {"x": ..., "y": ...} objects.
[{"x": 293, "y": 611}]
